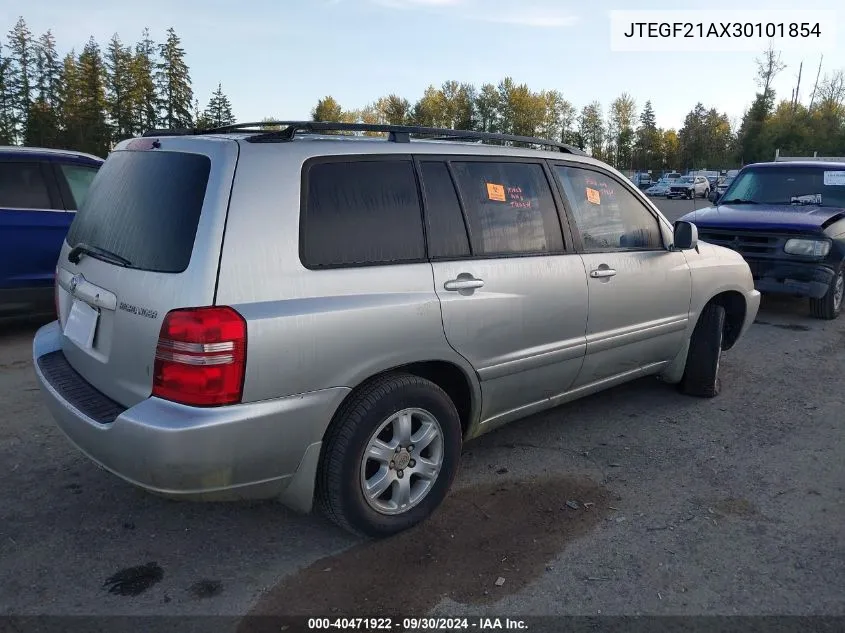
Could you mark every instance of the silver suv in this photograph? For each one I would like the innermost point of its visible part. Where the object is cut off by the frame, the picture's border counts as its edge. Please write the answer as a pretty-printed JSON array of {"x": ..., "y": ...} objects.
[{"x": 315, "y": 316}]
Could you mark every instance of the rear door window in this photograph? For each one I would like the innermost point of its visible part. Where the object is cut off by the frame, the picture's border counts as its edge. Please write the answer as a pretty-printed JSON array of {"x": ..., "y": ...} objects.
[
  {"x": 23, "y": 186},
  {"x": 145, "y": 206},
  {"x": 79, "y": 179},
  {"x": 509, "y": 207},
  {"x": 361, "y": 212}
]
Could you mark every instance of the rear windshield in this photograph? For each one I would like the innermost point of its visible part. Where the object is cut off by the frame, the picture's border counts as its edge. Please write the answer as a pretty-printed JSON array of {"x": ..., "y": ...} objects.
[{"x": 145, "y": 207}]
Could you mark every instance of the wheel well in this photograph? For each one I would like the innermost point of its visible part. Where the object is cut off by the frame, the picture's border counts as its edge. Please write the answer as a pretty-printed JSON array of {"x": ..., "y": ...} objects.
[
  {"x": 734, "y": 304},
  {"x": 450, "y": 378}
]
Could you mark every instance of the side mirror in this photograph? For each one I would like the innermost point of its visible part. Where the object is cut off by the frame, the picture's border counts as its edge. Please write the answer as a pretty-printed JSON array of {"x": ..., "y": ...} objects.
[{"x": 686, "y": 236}]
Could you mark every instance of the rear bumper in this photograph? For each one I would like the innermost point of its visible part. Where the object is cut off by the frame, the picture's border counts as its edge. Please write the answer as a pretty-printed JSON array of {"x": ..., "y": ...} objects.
[
  {"x": 245, "y": 451},
  {"x": 791, "y": 278}
]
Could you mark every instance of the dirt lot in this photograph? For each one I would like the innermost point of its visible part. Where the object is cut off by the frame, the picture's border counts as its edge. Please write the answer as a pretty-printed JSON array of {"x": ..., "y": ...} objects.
[{"x": 681, "y": 506}]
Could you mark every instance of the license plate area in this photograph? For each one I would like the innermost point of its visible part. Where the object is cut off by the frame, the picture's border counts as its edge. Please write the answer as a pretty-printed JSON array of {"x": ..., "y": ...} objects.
[{"x": 81, "y": 324}]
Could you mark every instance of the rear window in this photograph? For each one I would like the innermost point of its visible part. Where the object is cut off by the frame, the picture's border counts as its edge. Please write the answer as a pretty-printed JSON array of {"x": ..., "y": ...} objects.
[{"x": 145, "y": 207}]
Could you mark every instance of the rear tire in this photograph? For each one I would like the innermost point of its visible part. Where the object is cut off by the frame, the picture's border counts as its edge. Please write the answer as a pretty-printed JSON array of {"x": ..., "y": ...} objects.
[
  {"x": 830, "y": 306},
  {"x": 371, "y": 436},
  {"x": 701, "y": 374}
]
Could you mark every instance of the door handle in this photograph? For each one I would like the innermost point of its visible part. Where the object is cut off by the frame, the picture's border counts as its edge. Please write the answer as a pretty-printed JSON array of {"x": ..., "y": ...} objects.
[
  {"x": 463, "y": 284},
  {"x": 602, "y": 272}
]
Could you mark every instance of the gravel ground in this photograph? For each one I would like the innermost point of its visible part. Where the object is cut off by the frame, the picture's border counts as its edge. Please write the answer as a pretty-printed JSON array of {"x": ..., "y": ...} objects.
[{"x": 676, "y": 506}]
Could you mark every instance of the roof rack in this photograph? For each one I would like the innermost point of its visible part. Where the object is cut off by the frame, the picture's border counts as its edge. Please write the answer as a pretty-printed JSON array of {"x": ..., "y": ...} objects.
[
  {"x": 396, "y": 133},
  {"x": 402, "y": 133}
]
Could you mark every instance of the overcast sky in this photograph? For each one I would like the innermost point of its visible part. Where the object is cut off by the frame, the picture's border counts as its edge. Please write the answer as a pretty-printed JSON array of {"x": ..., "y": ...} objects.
[{"x": 277, "y": 57}]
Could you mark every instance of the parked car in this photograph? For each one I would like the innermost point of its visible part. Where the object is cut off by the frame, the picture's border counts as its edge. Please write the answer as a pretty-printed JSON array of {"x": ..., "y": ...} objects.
[
  {"x": 659, "y": 189},
  {"x": 641, "y": 179},
  {"x": 721, "y": 187},
  {"x": 689, "y": 187},
  {"x": 672, "y": 176},
  {"x": 338, "y": 331},
  {"x": 40, "y": 190},
  {"x": 788, "y": 221}
]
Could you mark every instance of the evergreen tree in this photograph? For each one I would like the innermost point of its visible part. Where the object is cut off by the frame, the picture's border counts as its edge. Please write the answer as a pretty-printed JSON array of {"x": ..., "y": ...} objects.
[
  {"x": 173, "y": 81},
  {"x": 119, "y": 84},
  {"x": 145, "y": 104},
  {"x": 42, "y": 128},
  {"x": 200, "y": 120},
  {"x": 647, "y": 143},
  {"x": 21, "y": 76},
  {"x": 218, "y": 112},
  {"x": 6, "y": 101},
  {"x": 92, "y": 111},
  {"x": 71, "y": 132}
]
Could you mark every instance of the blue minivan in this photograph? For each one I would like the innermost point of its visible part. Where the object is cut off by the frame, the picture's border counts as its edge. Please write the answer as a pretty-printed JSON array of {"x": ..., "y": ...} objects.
[{"x": 40, "y": 190}]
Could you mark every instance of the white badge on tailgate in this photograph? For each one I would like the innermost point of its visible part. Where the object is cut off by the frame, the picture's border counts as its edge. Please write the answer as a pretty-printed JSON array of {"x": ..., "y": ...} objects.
[{"x": 81, "y": 324}]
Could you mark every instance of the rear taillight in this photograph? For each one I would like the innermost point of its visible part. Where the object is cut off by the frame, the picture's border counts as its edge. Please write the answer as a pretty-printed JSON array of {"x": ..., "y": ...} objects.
[{"x": 201, "y": 357}]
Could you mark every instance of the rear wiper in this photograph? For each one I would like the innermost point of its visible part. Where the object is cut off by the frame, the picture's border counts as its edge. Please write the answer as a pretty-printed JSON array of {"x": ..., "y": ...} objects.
[
  {"x": 81, "y": 249},
  {"x": 737, "y": 201}
]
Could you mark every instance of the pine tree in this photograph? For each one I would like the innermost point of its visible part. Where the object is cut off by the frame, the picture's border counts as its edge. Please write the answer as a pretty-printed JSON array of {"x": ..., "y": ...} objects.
[
  {"x": 144, "y": 99},
  {"x": 21, "y": 77},
  {"x": 6, "y": 115},
  {"x": 42, "y": 128},
  {"x": 71, "y": 132},
  {"x": 119, "y": 86},
  {"x": 173, "y": 81},
  {"x": 218, "y": 112},
  {"x": 93, "y": 101}
]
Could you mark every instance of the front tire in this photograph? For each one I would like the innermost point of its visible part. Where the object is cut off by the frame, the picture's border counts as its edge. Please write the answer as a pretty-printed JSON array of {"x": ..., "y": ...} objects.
[
  {"x": 830, "y": 306},
  {"x": 390, "y": 456},
  {"x": 701, "y": 374}
]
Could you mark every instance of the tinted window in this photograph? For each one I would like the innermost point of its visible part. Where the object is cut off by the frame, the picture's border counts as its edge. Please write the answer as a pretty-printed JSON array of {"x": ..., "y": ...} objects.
[
  {"x": 22, "y": 186},
  {"x": 79, "y": 179},
  {"x": 789, "y": 185},
  {"x": 145, "y": 207},
  {"x": 362, "y": 212},
  {"x": 447, "y": 235},
  {"x": 510, "y": 208},
  {"x": 608, "y": 215}
]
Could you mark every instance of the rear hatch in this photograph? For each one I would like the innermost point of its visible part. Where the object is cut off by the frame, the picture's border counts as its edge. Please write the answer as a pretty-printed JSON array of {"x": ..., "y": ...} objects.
[{"x": 148, "y": 241}]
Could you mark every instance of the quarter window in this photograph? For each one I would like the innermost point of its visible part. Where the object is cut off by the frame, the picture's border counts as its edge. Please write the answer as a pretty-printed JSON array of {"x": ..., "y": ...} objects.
[
  {"x": 509, "y": 207},
  {"x": 608, "y": 216},
  {"x": 361, "y": 212},
  {"x": 22, "y": 186},
  {"x": 79, "y": 180}
]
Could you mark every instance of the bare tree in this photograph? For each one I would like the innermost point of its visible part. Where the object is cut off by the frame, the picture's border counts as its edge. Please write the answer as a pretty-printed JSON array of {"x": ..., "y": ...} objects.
[{"x": 768, "y": 68}]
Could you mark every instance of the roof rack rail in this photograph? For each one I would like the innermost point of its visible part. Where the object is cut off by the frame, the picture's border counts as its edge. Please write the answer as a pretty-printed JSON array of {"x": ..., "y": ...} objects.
[
  {"x": 255, "y": 126},
  {"x": 397, "y": 133}
]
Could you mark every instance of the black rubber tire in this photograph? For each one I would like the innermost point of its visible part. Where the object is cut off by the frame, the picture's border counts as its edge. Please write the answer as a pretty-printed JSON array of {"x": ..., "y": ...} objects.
[
  {"x": 826, "y": 308},
  {"x": 691, "y": 194},
  {"x": 707, "y": 194},
  {"x": 339, "y": 494},
  {"x": 701, "y": 374}
]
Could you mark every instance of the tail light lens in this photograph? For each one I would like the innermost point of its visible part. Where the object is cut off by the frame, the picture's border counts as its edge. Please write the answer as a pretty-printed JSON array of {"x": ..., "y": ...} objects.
[{"x": 201, "y": 357}]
